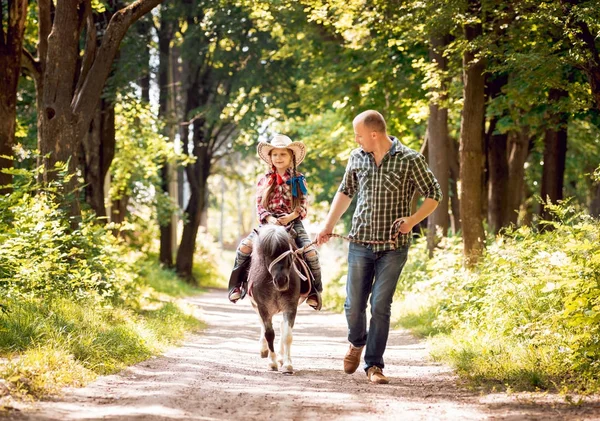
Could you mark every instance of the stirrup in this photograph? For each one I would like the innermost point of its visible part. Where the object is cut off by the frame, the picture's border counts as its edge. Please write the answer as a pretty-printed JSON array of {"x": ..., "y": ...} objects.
[{"x": 314, "y": 300}]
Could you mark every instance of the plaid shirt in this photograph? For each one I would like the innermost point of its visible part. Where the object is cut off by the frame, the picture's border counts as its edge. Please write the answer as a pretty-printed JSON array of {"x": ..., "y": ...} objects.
[
  {"x": 385, "y": 192},
  {"x": 281, "y": 199}
]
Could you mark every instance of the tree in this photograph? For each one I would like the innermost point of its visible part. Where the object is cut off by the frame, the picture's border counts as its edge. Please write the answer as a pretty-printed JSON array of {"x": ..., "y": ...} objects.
[
  {"x": 438, "y": 147},
  {"x": 555, "y": 152},
  {"x": 11, "y": 44},
  {"x": 471, "y": 140},
  {"x": 235, "y": 71},
  {"x": 69, "y": 81}
]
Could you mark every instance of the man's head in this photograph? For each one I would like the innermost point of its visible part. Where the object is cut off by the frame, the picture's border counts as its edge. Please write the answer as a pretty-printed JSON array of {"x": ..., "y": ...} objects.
[{"x": 370, "y": 130}]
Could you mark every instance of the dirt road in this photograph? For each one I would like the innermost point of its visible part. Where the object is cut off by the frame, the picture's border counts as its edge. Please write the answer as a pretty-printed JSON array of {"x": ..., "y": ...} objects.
[{"x": 219, "y": 375}]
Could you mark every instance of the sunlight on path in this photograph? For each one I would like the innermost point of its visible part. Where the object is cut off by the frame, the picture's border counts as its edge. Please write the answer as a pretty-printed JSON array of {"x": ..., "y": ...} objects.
[{"x": 219, "y": 375}]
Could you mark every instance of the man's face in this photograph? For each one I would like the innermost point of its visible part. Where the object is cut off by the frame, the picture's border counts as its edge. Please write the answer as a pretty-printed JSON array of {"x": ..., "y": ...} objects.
[{"x": 364, "y": 137}]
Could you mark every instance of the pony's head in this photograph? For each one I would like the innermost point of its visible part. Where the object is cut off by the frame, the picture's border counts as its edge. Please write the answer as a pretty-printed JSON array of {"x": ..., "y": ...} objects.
[{"x": 274, "y": 245}]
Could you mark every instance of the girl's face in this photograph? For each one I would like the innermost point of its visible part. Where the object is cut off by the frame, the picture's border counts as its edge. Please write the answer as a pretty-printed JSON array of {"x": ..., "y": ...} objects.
[{"x": 281, "y": 159}]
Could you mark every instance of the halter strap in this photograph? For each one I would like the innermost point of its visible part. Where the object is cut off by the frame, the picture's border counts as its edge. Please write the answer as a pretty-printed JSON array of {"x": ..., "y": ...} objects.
[{"x": 283, "y": 256}]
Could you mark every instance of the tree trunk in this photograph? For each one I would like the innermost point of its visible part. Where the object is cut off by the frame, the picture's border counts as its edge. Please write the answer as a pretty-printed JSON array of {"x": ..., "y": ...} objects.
[
  {"x": 197, "y": 174},
  {"x": 143, "y": 29},
  {"x": 471, "y": 145},
  {"x": 518, "y": 147},
  {"x": 437, "y": 129},
  {"x": 595, "y": 203},
  {"x": 454, "y": 164},
  {"x": 165, "y": 34},
  {"x": 98, "y": 148},
  {"x": 497, "y": 164},
  {"x": 11, "y": 46},
  {"x": 498, "y": 179},
  {"x": 555, "y": 154}
]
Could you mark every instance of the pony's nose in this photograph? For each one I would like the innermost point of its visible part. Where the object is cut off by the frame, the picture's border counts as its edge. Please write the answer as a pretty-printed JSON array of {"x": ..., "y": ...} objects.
[{"x": 282, "y": 283}]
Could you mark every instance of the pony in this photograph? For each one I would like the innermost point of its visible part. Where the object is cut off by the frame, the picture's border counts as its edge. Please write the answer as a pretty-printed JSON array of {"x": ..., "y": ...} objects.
[{"x": 274, "y": 286}]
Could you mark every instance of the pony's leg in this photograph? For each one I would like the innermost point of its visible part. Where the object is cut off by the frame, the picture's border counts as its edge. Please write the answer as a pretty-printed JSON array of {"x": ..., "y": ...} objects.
[
  {"x": 262, "y": 342},
  {"x": 286, "y": 339},
  {"x": 268, "y": 335},
  {"x": 281, "y": 342}
]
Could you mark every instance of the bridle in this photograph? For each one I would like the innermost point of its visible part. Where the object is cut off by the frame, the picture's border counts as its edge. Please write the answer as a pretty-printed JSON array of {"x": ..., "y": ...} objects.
[{"x": 294, "y": 260}]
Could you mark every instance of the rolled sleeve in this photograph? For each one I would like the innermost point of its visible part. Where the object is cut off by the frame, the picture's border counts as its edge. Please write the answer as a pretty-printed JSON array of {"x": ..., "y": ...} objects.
[
  {"x": 261, "y": 212},
  {"x": 349, "y": 181},
  {"x": 424, "y": 180}
]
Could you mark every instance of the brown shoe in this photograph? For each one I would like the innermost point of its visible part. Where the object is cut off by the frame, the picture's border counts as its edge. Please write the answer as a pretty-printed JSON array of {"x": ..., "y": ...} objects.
[
  {"x": 352, "y": 359},
  {"x": 376, "y": 376}
]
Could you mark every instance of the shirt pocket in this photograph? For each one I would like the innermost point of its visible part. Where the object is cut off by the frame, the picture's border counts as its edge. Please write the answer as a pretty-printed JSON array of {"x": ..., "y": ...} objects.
[{"x": 391, "y": 182}]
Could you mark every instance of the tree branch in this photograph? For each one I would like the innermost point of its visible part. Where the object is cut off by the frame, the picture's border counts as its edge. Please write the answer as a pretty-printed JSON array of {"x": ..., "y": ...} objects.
[
  {"x": 31, "y": 65},
  {"x": 584, "y": 30},
  {"x": 85, "y": 99},
  {"x": 44, "y": 28},
  {"x": 90, "y": 50}
]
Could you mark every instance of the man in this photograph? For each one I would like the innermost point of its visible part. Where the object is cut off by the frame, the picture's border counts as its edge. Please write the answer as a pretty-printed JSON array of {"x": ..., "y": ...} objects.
[{"x": 384, "y": 174}]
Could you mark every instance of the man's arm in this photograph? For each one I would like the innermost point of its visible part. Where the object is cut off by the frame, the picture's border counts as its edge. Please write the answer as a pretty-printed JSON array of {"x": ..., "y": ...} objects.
[
  {"x": 423, "y": 212},
  {"x": 340, "y": 204}
]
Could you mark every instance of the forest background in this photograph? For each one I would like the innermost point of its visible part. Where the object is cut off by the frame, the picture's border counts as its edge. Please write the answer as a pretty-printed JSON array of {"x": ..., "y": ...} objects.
[{"x": 128, "y": 134}]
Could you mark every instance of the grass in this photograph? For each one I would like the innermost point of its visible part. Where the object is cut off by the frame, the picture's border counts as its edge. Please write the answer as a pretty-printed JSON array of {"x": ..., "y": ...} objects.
[{"x": 49, "y": 344}]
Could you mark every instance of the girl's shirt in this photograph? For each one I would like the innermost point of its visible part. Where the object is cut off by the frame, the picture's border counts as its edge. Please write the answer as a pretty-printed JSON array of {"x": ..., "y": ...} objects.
[{"x": 281, "y": 199}]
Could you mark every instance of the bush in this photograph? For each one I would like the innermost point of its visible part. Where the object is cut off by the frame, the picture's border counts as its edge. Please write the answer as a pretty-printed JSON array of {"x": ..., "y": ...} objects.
[
  {"x": 528, "y": 314},
  {"x": 41, "y": 254}
]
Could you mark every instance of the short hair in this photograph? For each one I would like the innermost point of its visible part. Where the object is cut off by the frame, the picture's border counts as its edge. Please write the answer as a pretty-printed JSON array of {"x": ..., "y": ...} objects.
[{"x": 372, "y": 120}]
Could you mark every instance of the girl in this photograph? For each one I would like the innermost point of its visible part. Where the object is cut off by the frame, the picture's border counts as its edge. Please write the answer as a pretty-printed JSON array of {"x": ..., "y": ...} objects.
[{"x": 281, "y": 200}]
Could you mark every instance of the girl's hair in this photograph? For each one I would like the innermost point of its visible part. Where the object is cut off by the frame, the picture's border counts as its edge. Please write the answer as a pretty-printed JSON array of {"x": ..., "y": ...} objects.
[{"x": 269, "y": 188}]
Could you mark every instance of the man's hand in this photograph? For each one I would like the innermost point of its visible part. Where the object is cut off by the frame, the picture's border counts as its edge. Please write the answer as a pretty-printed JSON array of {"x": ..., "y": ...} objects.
[
  {"x": 406, "y": 224},
  {"x": 323, "y": 236}
]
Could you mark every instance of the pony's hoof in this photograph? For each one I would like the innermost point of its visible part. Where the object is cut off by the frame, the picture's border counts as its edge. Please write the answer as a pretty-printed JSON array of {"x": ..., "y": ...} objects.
[
  {"x": 264, "y": 354},
  {"x": 273, "y": 367},
  {"x": 288, "y": 370}
]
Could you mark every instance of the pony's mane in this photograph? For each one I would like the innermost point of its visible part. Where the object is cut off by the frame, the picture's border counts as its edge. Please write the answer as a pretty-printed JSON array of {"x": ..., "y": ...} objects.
[{"x": 271, "y": 239}]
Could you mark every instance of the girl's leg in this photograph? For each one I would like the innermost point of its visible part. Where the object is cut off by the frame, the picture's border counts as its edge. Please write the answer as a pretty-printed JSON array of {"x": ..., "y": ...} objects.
[
  {"x": 312, "y": 259},
  {"x": 239, "y": 275}
]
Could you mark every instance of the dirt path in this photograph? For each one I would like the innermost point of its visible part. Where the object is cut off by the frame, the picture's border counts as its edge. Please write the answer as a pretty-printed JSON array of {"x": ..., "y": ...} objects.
[{"x": 219, "y": 375}]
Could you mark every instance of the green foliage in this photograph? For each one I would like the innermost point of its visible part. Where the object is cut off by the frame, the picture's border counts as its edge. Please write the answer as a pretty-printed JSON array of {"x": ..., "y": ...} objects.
[
  {"x": 140, "y": 154},
  {"x": 76, "y": 301},
  {"x": 41, "y": 254},
  {"x": 527, "y": 316}
]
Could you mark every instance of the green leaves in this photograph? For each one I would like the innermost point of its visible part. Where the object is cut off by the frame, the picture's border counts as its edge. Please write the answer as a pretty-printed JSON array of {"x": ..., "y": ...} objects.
[
  {"x": 41, "y": 255},
  {"x": 532, "y": 305}
]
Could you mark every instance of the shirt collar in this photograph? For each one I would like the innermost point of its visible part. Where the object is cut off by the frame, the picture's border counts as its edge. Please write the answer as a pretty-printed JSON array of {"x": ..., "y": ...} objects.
[
  {"x": 285, "y": 177},
  {"x": 397, "y": 147}
]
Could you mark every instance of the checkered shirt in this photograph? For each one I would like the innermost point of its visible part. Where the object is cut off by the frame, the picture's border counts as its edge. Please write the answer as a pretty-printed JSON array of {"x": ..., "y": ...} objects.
[
  {"x": 385, "y": 192},
  {"x": 281, "y": 200}
]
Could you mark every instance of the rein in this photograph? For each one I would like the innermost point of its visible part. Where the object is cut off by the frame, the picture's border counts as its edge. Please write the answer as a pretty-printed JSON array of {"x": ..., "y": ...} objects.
[{"x": 394, "y": 234}]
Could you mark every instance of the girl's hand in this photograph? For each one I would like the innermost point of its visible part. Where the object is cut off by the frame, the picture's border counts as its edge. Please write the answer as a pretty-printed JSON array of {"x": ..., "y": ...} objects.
[
  {"x": 272, "y": 220},
  {"x": 286, "y": 219}
]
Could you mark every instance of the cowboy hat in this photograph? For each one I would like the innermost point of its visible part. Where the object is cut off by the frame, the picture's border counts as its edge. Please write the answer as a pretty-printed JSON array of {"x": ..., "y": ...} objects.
[{"x": 282, "y": 142}]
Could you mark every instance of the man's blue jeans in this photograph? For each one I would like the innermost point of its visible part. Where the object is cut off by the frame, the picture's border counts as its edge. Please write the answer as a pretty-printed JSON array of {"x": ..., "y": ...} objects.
[{"x": 375, "y": 274}]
